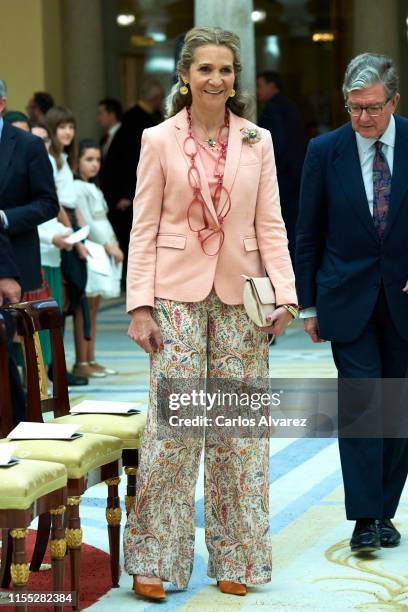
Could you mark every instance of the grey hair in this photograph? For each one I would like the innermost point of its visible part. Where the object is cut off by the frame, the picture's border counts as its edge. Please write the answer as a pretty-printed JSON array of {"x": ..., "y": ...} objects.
[
  {"x": 3, "y": 89},
  {"x": 240, "y": 104},
  {"x": 368, "y": 69}
]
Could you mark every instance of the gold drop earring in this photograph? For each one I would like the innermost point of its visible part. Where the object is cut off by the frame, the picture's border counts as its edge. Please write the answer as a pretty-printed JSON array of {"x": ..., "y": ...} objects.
[
  {"x": 184, "y": 89},
  {"x": 232, "y": 94}
]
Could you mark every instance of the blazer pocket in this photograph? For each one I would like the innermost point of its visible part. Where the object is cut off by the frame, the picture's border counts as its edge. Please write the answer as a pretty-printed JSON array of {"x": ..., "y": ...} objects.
[
  {"x": 251, "y": 244},
  {"x": 174, "y": 241}
]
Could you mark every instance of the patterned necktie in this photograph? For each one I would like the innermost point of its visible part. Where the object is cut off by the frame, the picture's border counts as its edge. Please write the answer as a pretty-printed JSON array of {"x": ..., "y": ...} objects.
[{"x": 381, "y": 189}]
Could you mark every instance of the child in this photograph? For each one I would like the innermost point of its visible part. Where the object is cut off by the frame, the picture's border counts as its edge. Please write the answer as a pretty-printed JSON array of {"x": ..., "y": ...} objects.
[
  {"x": 63, "y": 156},
  {"x": 91, "y": 203}
]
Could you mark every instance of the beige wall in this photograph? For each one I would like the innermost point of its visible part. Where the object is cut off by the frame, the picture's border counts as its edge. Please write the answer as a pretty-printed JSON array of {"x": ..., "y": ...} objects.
[
  {"x": 52, "y": 45},
  {"x": 31, "y": 56}
]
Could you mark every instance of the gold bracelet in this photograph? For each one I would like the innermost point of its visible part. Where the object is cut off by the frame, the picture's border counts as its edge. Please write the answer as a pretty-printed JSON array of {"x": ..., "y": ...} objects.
[{"x": 293, "y": 310}]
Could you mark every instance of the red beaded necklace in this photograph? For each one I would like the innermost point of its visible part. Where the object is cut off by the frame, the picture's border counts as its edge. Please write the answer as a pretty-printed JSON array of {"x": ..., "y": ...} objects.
[{"x": 197, "y": 204}]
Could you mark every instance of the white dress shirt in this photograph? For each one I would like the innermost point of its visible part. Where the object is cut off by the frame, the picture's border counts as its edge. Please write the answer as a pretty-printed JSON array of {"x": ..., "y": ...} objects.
[
  {"x": 366, "y": 153},
  {"x": 111, "y": 133}
]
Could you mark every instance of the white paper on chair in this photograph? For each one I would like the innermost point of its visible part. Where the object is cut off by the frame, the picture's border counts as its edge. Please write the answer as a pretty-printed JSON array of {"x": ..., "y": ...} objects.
[
  {"x": 6, "y": 452},
  {"x": 104, "y": 407},
  {"x": 98, "y": 259},
  {"x": 44, "y": 431},
  {"x": 79, "y": 235}
]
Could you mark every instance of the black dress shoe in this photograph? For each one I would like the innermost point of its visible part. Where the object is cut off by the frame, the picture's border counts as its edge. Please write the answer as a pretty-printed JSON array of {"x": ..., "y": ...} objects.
[
  {"x": 366, "y": 536},
  {"x": 76, "y": 381},
  {"x": 389, "y": 535}
]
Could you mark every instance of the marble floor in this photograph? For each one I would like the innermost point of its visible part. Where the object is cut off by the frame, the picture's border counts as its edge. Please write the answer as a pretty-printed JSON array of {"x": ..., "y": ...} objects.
[{"x": 313, "y": 567}]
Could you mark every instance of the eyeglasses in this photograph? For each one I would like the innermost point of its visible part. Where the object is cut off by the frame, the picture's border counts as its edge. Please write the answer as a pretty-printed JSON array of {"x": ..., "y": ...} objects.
[{"x": 373, "y": 110}]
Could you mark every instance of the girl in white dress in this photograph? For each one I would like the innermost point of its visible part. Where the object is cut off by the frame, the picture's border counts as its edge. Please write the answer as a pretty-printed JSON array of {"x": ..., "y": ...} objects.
[{"x": 91, "y": 203}]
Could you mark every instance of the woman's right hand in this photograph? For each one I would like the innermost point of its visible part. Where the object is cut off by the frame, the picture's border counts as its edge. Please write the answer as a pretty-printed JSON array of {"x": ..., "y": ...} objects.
[{"x": 144, "y": 330}]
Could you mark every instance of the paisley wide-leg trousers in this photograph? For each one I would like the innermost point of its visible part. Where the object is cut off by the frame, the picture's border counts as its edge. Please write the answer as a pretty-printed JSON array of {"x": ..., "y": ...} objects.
[{"x": 214, "y": 340}]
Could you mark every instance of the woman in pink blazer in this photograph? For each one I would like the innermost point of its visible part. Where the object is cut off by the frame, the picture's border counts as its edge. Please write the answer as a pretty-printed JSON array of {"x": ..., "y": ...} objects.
[{"x": 206, "y": 211}]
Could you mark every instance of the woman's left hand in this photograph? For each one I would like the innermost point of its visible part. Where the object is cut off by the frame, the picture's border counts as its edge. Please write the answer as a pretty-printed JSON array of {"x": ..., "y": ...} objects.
[{"x": 279, "y": 320}]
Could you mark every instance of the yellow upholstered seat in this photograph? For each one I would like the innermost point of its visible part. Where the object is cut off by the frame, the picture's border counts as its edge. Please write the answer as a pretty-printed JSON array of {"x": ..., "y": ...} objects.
[
  {"x": 129, "y": 428},
  {"x": 79, "y": 456},
  {"x": 22, "y": 484}
]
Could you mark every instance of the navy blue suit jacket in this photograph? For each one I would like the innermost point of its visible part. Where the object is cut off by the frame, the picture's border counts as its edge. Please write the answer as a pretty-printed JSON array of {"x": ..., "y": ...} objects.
[
  {"x": 340, "y": 260},
  {"x": 281, "y": 118},
  {"x": 28, "y": 197},
  {"x": 8, "y": 267}
]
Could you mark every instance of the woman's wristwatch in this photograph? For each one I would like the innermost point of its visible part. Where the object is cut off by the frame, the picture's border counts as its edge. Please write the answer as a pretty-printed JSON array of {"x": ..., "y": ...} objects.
[{"x": 293, "y": 309}]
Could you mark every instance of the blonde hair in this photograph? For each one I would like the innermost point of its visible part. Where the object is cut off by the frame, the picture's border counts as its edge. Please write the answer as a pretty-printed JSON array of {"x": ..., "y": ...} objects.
[{"x": 241, "y": 103}]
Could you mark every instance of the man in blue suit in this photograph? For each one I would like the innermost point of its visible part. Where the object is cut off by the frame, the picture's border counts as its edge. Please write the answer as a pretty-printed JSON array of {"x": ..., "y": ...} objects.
[
  {"x": 27, "y": 198},
  {"x": 352, "y": 271}
]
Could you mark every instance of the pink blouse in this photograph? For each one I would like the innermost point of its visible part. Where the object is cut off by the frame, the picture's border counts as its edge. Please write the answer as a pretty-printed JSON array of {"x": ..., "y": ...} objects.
[{"x": 209, "y": 158}]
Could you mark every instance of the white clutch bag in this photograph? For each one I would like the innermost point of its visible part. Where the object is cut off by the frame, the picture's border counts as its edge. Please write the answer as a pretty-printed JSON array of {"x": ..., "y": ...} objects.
[{"x": 259, "y": 299}]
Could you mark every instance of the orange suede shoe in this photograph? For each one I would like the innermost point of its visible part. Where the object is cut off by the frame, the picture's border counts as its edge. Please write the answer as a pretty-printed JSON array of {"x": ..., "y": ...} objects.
[
  {"x": 150, "y": 591},
  {"x": 232, "y": 588}
]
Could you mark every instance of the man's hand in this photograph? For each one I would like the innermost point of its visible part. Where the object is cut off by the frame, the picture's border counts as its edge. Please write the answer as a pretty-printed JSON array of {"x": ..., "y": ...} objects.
[
  {"x": 123, "y": 204},
  {"x": 279, "y": 320},
  {"x": 405, "y": 288},
  {"x": 144, "y": 330},
  {"x": 9, "y": 290},
  {"x": 311, "y": 327}
]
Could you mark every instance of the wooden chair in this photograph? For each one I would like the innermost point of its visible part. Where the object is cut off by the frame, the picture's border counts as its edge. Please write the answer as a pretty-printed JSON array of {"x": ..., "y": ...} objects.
[
  {"x": 129, "y": 428},
  {"x": 89, "y": 460},
  {"x": 27, "y": 490}
]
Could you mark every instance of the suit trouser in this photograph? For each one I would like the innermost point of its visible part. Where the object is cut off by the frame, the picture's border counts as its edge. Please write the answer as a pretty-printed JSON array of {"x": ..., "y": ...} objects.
[
  {"x": 374, "y": 469},
  {"x": 202, "y": 339},
  {"x": 18, "y": 402}
]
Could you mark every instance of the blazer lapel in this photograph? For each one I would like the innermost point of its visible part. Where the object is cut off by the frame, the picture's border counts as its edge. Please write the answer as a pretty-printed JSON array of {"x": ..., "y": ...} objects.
[
  {"x": 181, "y": 130},
  {"x": 7, "y": 143},
  {"x": 233, "y": 156},
  {"x": 399, "y": 182},
  {"x": 348, "y": 169}
]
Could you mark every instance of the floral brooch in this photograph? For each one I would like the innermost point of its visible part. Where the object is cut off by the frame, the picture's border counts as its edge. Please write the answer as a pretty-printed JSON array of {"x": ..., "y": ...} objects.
[{"x": 250, "y": 135}]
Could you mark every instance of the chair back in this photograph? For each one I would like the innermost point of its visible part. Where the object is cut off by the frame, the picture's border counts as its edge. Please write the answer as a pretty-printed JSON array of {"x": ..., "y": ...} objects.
[
  {"x": 5, "y": 396},
  {"x": 31, "y": 317}
]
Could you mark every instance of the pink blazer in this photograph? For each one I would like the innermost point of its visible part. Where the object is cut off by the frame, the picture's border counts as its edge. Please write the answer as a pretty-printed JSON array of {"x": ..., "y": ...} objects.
[{"x": 165, "y": 256}]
